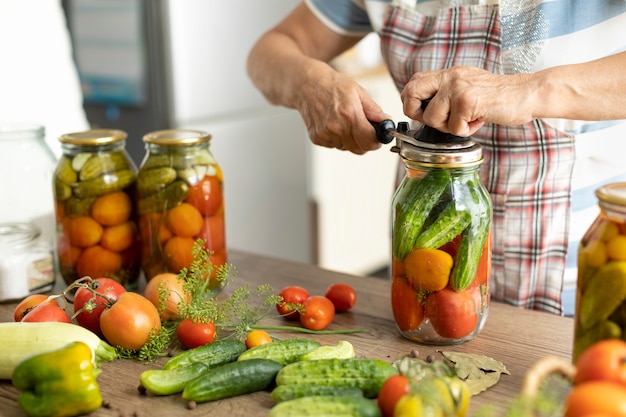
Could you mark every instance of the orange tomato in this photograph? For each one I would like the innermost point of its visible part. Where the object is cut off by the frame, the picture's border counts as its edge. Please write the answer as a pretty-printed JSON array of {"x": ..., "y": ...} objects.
[
  {"x": 112, "y": 209},
  {"x": 83, "y": 231},
  {"x": 206, "y": 195},
  {"x": 27, "y": 304},
  {"x": 172, "y": 288},
  {"x": 602, "y": 361},
  {"x": 391, "y": 391},
  {"x": 318, "y": 312},
  {"x": 184, "y": 220},
  {"x": 130, "y": 321},
  {"x": 596, "y": 397},
  {"x": 178, "y": 253},
  {"x": 428, "y": 269},
  {"x": 257, "y": 338},
  {"x": 120, "y": 237},
  {"x": 97, "y": 261},
  {"x": 213, "y": 232},
  {"x": 407, "y": 310}
]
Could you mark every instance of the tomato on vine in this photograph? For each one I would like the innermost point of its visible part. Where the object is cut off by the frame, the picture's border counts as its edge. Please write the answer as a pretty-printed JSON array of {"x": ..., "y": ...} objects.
[
  {"x": 291, "y": 295},
  {"x": 166, "y": 291},
  {"x": 130, "y": 321},
  {"x": 194, "y": 333},
  {"x": 47, "y": 311},
  {"x": 27, "y": 304},
  {"x": 91, "y": 299}
]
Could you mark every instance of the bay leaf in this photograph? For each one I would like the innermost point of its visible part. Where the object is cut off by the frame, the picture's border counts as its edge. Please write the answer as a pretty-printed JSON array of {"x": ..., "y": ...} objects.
[{"x": 479, "y": 372}]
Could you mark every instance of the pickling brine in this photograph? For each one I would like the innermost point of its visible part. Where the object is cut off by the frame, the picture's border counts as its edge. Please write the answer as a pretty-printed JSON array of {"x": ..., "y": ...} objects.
[{"x": 180, "y": 201}]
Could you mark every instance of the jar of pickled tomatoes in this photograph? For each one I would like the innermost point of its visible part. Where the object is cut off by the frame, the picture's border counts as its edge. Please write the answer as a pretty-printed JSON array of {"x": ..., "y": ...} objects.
[
  {"x": 94, "y": 193},
  {"x": 180, "y": 202},
  {"x": 441, "y": 239},
  {"x": 601, "y": 288}
]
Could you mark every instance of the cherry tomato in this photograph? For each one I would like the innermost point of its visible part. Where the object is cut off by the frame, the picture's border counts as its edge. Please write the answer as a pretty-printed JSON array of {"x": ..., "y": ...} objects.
[
  {"x": 171, "y": 286},
  {"x": 452, "y": 313},
  {"x": 85, "y": 299},
  {"x": 343, "y": 296},
  {"x": 206, "y": 195},
  {"x": 27, "y": 304},
  {"x": 129, "y": 322},
  {"x": 604, "y": 360},
  {"x": 195, "y": 333},
  {"x": 391, "y": 391},
  {"x": 291, "y": 295},
  {"x": 257, "y": 338},
  {"x": 318, "y": 313},
  {"x": 47, "y": 311},
  {"x": 597, "y": 398}
]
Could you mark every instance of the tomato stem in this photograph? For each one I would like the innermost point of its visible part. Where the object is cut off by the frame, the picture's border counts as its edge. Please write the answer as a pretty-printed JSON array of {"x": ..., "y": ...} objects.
[{"x": 305, "y": 330}]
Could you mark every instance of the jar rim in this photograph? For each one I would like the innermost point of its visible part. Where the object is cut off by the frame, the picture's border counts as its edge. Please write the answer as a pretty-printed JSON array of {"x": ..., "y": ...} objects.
[
  {"x": 18, "y": 233},
  {"x": 174, "y": 137},
  {"x": 613, "y": 193},
  {"x": 15, "y": 130},
  {"x": 93, "y": 137}
]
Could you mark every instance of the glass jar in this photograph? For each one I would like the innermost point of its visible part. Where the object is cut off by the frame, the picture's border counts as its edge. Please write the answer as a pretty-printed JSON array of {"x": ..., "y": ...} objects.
[
  {"x": 94, "y": 191},
  {"x": 601, "y": 288},
  {"x": 441, "y": 240},
  {"x": 180, "y": 200}
]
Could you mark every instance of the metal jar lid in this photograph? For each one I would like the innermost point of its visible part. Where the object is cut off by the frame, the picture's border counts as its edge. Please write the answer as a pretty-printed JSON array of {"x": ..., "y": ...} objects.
[
  {"x": 175, "y": 137},
  {"x": 94, "y": 137},
  {"x": 612, "y": 199}
]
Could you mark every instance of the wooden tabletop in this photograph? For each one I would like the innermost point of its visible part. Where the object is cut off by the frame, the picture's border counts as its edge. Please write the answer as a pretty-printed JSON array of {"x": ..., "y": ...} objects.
[{"x": 511, "y": 335}]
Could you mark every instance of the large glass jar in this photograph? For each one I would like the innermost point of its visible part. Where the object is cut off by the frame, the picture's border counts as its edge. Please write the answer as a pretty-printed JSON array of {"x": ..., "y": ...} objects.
[
  {"x": 441, "y": 241},
  {"x": 601, "y": 289},
  {"x": 180, "y": 200},
  {"x": 94, "y": 190}
]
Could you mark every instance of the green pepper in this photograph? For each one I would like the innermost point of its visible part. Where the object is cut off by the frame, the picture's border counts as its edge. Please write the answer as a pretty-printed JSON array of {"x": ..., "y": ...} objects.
[{"x": 60, "y": 383}]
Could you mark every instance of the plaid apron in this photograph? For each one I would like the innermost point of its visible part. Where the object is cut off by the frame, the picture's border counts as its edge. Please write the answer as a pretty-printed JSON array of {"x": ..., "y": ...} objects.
[{"x": 527, "y": 168}]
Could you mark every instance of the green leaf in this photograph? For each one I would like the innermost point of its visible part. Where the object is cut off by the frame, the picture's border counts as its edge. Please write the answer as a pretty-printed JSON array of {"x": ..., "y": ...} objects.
[{"x": 478, "y": 371}]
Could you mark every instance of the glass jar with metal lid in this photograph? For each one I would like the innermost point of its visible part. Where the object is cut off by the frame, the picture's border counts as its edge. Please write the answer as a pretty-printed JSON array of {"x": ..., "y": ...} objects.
[
  {"x": 94, "y": 191},
  {"x": 601, "y": 288},
  {"x": 441, "y": 238},
  {"x": 180, "y": 200}
]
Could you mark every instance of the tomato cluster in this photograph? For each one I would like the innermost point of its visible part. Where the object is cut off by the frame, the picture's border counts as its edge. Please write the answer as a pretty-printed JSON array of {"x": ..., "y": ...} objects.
[
  {"x": 600, "y": 381},
  {"x": 315, "y": 312}
]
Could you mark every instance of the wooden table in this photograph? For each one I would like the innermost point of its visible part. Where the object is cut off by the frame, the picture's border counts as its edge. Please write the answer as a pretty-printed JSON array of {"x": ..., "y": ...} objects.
[{"x": 513, "y": 336}]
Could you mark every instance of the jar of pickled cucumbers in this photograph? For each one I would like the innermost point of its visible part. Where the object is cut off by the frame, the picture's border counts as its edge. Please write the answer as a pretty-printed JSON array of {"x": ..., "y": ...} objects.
[
  {"x": 441, "y": 239},
  {"x": 601, "y": 288},
  {"x": 94, "y": 192},
  {"x": 180, "y": 202}
]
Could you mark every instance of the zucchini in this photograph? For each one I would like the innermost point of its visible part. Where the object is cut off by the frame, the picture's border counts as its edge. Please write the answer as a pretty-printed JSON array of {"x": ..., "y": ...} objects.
[
  {"x": 326, "y": 406},
  {"x": 448, "y": 225},
  {"x": 23, "y": 339},
  {"x": 468, "y": 254},
  {"x": 283, "y": 351},
  {"x": 342, "y": 350},
  {"x": 232, "y": 379},
  {"x": 213, "y": 354},
  {"x": 291, "y": 392},
  {"x": 420, "y": 196},
  {"x": 171, "y": 381},
  {"x": 366, "y": 374}
]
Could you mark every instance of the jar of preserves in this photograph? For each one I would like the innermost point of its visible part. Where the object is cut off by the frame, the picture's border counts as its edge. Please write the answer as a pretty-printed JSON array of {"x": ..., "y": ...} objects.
[
  {"x": 601, "y": 287},
  {"x": 180, "y": 201},
  {"x": 94, "y": 192},
  {"x": 441, "y": 238}
]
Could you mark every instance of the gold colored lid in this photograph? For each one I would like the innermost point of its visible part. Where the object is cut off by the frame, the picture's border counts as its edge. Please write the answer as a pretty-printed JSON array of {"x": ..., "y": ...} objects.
[
  {"x": 173, "y": 137},
  {"x": 614, "y": 193},
  {"x": 94, "y": 137}
]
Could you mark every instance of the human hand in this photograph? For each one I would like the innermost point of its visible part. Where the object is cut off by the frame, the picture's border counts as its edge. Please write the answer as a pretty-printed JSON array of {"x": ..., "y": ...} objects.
[
  {"x": 337, "y": 112},
  {"x": 462, "y": 99}
]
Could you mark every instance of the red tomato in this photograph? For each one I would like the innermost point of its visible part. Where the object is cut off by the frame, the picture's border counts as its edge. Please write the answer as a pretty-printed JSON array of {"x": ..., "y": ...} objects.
[
  {"x": 27, "y": 304},
  {"x": 195, "y": 333},
  {"x": 602, "y": 361},
  {"x": 47, "y": 311},
  {"x": 213, "y": 232},
  {"x": 452, "y": 313},
  {"x": 408, "y": 313},
  {"x": 391, "y": 391},
  {"x": 318, "y": 312},
  {"x": 257, "y": 338},
  {"x": 596, "y": 398},
  {"x": 171, "y": 287},
  {"x": 291, "y": 295},
  {"x": 342, "y": 296},
  {"x": 206, "y": 195},
  {"x": 92, "y": 305},
  {"x": 129, "y": 322}
]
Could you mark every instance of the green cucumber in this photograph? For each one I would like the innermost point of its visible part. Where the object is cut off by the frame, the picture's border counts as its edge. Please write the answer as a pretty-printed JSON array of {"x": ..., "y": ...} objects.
[
  {"x": 448, "y": 225},
  {"x": 469, "y": 253},
  {"x": 232, "y": 379},
  {"x": 327, "y": 406},
  {"x": 366, "y": 374},
  {"x": 171, "y": 381},
  {"x": 420, "y": 195},
  {"x": 283, "y": 351},
  {"x": 290, "y": 392},
  {"x": 213, "y": 354}
]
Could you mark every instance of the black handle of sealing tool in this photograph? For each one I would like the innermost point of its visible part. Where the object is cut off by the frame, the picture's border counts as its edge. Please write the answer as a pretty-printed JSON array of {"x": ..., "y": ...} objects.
[{"x": 383, "y": 130}]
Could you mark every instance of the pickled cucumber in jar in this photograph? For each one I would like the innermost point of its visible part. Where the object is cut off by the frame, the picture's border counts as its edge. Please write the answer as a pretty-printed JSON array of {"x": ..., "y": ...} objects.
[
  {"x": 180, "y": 201},
  {"x": 97, "y": 231},
  {"x": 601, "y": 288}
]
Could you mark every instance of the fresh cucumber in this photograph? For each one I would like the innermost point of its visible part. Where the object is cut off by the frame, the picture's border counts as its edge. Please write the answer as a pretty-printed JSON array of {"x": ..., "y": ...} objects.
[
  {"x": 232, "y": 379},
  {"x": 213, "y": 354},
  {"x": 290, "y": 392},
  {"x": 364, "y": 373},
  {"x": 326, "y": 406},
  {"x": 448, "y": 225},
  {"x": 171, "y": 381},
  {"x": 468, "y": 254},
  {"x": 283, "y": 351},
  {"x": 418, "y": 196}
]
